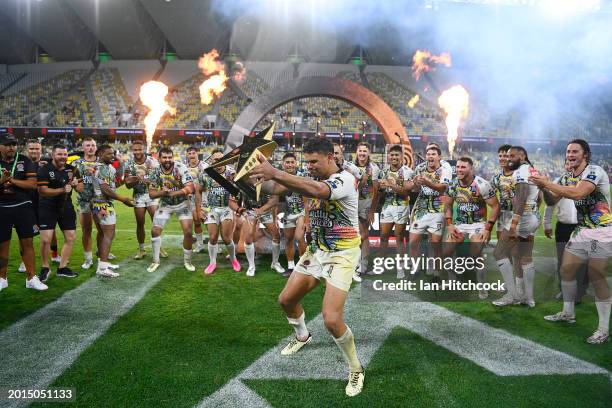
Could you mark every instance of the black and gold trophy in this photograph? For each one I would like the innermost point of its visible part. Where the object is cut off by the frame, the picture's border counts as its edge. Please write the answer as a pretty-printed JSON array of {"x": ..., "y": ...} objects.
[{"x": 246, "y": 155}]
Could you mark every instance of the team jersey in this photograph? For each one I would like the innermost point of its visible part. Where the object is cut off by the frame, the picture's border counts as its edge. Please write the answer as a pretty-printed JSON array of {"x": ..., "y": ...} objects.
[
  {"x": 105, "y": 174},
  {"x": 49, "y": 176},
  {"x": 471, "y": 200},
  {"x": 400, "y": 175},
  {"x": 428, "y": 200},
  {"x": 176, "y": 179},
  {"x": 295, "y": 202},
  {"x": 196, "y": 170},
  {"x": 81, "y": 166},
  {"x": 20, "y": 168},
  {"x": 352, "y": 169},
  {"x": 216, "y": 195},
  {"x": 372, "y": 170},
  {"x": 594, "y": 210},
  {"x": 505, "y": 189},
  {"x": 132, "y": 168},
  {"x": 334, "y": 222},
  {"x": 520, "y": 176}
]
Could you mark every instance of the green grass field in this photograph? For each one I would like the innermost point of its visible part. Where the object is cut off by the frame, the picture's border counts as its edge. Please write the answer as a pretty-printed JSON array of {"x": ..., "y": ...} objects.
[{"x": 187, "y": 336}]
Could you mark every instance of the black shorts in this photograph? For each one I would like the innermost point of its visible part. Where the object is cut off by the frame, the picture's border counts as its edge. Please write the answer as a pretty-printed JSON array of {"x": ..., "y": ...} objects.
[
  {"x": 49, "y": 216},
  {"x": 22, "y": 218}
]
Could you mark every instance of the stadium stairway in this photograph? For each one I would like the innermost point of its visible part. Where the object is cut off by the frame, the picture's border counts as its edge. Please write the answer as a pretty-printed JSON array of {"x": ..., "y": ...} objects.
[{"x": 13, "y": 82}]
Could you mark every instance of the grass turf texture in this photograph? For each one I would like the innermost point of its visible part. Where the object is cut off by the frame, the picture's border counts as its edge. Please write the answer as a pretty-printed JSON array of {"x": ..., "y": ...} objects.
[{"x": 189, "y": 335}]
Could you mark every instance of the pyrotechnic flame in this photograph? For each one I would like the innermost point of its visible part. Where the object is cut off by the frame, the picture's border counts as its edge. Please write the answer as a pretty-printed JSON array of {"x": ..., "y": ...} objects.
[
  {"x": 422, "y": 61},
  {"x": 153, "y": 96},
  {"x": 413, "y": 101},
  {"x": 455, "y": 102},
  {"x": 217, "y": 79}
]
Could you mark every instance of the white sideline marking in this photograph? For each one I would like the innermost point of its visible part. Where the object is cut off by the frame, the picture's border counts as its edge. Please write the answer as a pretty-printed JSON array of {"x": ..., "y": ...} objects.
[
  {"x": 495, "y": 350},
  {"x": 38, "y": 348}
]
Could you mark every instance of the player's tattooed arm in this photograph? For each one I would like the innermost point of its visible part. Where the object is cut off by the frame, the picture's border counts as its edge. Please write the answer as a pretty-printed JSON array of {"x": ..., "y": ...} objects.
[
  {"x": 185, "y": 191},
  {"x": 272, "y": 202},
  {"x": 520, "y": 198}
]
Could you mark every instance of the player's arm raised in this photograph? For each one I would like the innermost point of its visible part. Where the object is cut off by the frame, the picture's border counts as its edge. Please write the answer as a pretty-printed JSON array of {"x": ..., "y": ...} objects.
[{"x": 577, "y": 192}]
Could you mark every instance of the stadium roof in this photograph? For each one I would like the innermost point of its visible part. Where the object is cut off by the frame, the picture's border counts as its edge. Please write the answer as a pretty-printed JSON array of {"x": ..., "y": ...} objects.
[{"x": 75, "y": 30}]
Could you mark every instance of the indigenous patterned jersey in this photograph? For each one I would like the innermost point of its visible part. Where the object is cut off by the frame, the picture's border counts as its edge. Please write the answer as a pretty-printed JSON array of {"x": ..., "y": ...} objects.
[
  {"x": 196, "y": 170},
  {"x": 295, "y": 201},
  {"x": 334, "y": 222},
  {"x": 176, "y": 179},
  {"x": 400, "y": 175},
  {"x": 81, "y": 166},
  {"x": 521, "y": 175},
  {"x": 216, "y": 195},
  {"x": 132, "y": 168},
  {"x": 505, "y": 188},
  {"x": 471, "y": 200},
  {"x": 372, "y": 170},
  {"x": 428, "y": 200},
  {"x": 593, "y": 210},
  {"x": 104, "y": 174}
]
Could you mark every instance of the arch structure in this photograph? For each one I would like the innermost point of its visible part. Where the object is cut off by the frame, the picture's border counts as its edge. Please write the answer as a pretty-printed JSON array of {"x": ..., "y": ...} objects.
[{"x": 376, "y": 108}]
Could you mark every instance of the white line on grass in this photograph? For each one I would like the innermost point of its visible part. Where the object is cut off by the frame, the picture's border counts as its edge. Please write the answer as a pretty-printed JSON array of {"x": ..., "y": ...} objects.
[
  {"x": 38, "y": 348},
  {"x": 496, "y": 350}
]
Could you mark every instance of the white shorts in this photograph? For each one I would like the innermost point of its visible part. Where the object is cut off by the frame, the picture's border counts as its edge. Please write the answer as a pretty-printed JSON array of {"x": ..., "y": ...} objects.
[
  {"x": 364, "y": 208},
  {"x": 164, "y": 213},
  {"x": 504, "y": 221},
  {"x": 432, "y": 223},
  {"x": 336, "y": 267},
  {"x": 144, "y": 201},
  {"x": 476, "y": 228},
  {"x": 265, "y": 218},
  {"x": 104, "y": 213},
  {"x": 219, "y": 214},
  {"x": 528, "y": 225},
  {"x": 395, "y": 214},
  {"x": 290, "y": 220},
  {"x": 588, "y": 243}
]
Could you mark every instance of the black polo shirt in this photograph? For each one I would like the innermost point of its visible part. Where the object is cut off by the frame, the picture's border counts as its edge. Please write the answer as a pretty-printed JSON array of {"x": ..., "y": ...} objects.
[
  {"x": 21, "y": 168},
  {"x": 50, "y": 176}
]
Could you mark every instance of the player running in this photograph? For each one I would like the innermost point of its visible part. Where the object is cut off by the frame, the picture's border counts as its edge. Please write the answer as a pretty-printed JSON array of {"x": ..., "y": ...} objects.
[
  {"x": 333, "y": 253},
  {"x": 591, "y": 242}
]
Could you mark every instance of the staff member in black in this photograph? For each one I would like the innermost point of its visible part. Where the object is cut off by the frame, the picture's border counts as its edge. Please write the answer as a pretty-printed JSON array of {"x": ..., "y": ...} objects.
[
  {"x": 17, "y": 176},
  {"x": 55, "y": 183}
]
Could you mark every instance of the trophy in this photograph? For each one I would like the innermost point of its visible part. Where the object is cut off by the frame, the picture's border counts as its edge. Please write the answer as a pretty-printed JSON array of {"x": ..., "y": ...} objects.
[{"x": 246, "y": 155}]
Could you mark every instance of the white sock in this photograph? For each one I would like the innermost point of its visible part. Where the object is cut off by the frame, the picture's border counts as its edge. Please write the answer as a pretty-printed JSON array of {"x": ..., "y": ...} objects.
[
  {"x": 529, "y": 277},
  {"x": 346, "y": 342},
  {"x": 231, "y": 250},
  {"x": 275, "y": 252},
  {"x": 505, "y": 267},
  {"x": 186, "y": 255},
  {"x": 141, "y": 246},
  {"x": 199, "y": 238},
  {"x": 88, "y": 256},
  {"x": 156, "y": 245},
  {"x": 569, "y": 288},
  {"x": 519, "y": 284},
  {"x": 603, "y": 311},
  {"x": 249, "y": 249},
  {"x": 291, "y": 265},
  {"x": 299, "y": 325},
  {"x": 212, "y": 252}
]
